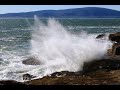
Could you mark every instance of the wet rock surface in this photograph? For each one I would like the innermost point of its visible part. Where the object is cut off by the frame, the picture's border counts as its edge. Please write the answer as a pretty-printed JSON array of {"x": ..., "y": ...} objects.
[
  {"x": 28, "y": 76},
  {"x": 65, "y": 73},
  {"x": 31, "y": 61},
  {"x": 101, "y": 36},
  {"x": 115, "y": 37},
  {"x": 104, "y": 64},
  {"x": 10, "y": 82}
]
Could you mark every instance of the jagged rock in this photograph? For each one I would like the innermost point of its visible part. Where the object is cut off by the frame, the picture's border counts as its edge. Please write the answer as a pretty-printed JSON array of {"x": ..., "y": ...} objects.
[
  {"x": 100, "y": 36},
  {"x": 64, "y": 73},
  {"x": 28, "y": 77},
  {"x": 31, "y": 61},
  {"x": 115, "y": 37},
  {"x": 104, "y": 64},
  {"x": 114, "y": 52}
]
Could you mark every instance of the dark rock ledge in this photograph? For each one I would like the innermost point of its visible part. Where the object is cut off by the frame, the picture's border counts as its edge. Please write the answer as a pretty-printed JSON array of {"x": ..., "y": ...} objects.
[{"x": 10, "y": 82}]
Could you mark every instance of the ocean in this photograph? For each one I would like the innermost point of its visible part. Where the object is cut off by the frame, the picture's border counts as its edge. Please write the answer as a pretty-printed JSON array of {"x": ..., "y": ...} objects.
[{"x": 60, "y": 44}]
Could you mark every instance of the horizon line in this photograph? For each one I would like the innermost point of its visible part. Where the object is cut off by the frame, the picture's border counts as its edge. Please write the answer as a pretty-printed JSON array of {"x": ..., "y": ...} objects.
[{"x": 59, "y": 9}]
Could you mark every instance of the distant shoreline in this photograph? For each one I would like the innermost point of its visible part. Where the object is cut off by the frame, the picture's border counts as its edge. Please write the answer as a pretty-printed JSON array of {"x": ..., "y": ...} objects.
[{"x": 55, "y": 18}]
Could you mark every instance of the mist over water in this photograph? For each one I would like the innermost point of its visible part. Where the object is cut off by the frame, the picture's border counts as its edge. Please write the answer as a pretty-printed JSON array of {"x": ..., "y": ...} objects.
[{"x": 54, "y": 45}]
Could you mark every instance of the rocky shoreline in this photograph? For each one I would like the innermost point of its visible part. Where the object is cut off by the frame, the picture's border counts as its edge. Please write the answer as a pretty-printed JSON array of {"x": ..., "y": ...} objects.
[{"x": 98, "y": 72}]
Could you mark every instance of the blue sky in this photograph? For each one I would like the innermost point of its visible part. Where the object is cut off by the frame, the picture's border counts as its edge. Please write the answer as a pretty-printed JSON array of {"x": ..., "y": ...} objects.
[{"x": 27, "y": 8}]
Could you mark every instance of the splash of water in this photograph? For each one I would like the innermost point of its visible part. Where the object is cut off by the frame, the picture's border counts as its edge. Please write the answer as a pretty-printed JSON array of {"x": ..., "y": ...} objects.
[
  {"x": 54, "y": 45},
  {"x": 57, "y": 48}
]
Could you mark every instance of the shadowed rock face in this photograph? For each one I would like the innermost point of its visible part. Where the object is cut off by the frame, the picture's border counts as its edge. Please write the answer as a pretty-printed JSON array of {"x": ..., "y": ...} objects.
[
  {"x": 104, "y": 64},
  {"x": 114, "y": 52},
  {"x": 11, "y": 82},
  {"x": 31, "y": 61},
  {"x": 115, "y": 37}
]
